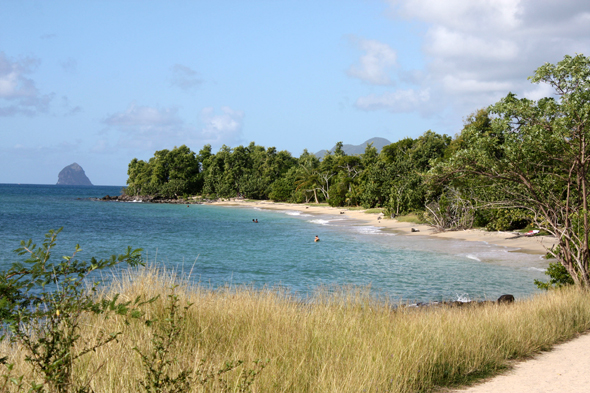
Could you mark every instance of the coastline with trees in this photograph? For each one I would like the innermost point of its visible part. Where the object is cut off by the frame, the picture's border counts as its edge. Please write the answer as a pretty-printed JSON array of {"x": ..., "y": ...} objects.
[{"x": 518, "y": 164}]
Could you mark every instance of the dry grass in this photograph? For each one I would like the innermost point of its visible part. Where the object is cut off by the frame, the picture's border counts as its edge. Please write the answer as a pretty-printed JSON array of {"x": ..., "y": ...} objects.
[
  {"x": 339, "y": 341},
  {"x": 376, "y": 210},
  {"x": 411, "y": 217}
]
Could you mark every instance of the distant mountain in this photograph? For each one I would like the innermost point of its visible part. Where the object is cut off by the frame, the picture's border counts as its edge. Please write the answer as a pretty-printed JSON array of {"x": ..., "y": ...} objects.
[
  {"x": 353, "y": 150},
  {"x": 73, "y": 175}
]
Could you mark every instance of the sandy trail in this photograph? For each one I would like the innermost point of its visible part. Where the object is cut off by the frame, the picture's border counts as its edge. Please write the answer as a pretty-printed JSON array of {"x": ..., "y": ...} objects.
[{"x": 563, "y": 369}]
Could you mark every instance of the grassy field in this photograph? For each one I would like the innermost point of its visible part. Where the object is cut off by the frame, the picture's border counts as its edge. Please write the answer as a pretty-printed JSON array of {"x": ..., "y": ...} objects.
[{"x": 341, "y": 340}]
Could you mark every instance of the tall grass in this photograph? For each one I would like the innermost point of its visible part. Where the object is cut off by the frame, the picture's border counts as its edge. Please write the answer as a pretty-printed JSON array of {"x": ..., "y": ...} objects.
[{"x": 338, "y": 341}]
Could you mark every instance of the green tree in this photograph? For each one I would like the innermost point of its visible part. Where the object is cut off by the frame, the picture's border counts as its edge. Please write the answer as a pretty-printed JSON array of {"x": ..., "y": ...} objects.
[
  {"x": 537, "y": 154},
  {"x": 307, "y": 179},
  {"x": 169, "y": 173},
  {"x": 396, "y": 179}
]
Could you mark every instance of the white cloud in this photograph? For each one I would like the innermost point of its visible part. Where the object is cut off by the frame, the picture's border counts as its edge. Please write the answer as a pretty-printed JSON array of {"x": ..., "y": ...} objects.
[
  {"x": 18, "y": 93},
  {"x": 374, "y": 65},
  {"x": 149, "y": 128},
  {"x": 222, "y": 129},
  {"x": 452, "y": 44},
  {"x": 472, "y": 15},
  {"x": 477, "y": 51},
  {"x": 453, "y": 84},
  {"x": 145, "y": 127},
  {"x": 537, "y": 92},
  {"x": 399, "y": 101},
  {"x": 144, "y": 117}
]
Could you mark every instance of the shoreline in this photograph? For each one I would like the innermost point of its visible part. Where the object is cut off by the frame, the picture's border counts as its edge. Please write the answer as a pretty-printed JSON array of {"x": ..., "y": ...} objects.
[{"x": 530, "y": 245}]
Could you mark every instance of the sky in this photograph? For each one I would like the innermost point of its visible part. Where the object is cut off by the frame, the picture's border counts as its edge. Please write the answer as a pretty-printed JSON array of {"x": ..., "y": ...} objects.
[{"x": 102, "y": 82}]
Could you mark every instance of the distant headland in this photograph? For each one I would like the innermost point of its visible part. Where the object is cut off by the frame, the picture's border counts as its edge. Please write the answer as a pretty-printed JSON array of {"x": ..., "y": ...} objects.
[
  {"x": 73, "y": 175},
  {"x": 353, "y": 150}
]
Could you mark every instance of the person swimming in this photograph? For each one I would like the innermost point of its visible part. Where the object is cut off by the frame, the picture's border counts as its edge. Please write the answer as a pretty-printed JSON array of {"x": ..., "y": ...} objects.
[{"x": 317, "y": 239}]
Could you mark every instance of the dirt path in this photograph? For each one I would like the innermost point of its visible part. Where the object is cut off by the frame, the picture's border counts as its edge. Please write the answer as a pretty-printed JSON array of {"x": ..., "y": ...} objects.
[{"x": 565, "y": 369}]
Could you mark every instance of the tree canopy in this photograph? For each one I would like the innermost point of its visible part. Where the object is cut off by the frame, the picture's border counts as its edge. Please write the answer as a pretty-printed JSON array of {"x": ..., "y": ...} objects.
[{"x": 535, "y": 155}]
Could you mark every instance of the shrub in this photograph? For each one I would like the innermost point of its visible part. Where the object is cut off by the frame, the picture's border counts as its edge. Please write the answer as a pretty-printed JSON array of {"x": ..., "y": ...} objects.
[
  {"x": 43, "y": 305},
  {"x": 508, "y": 219}
]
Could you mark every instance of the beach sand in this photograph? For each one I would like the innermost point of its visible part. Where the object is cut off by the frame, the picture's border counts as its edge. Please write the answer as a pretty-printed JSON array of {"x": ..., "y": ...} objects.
[
  {"x": 564, "y": 369},
  {"x": 533, "y": 245}
]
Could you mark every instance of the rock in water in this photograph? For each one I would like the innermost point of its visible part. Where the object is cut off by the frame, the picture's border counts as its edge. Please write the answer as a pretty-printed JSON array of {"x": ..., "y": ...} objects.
[{"x": 73, "y": 175}]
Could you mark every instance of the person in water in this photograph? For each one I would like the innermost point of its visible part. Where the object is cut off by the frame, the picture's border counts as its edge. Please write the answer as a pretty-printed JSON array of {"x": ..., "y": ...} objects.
[{"x": 317, "y": 239}]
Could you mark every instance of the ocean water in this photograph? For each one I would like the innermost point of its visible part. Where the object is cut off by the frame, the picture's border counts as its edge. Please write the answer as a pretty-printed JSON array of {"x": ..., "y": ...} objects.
[{"x": 221, "y": 245}]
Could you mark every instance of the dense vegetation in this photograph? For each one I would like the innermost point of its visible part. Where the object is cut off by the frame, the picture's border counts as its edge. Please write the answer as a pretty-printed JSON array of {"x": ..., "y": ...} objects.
[
  {"x": 393, "y": 178},
  {"x": 397, "y": 179},
  {"x": 516, "y": 163}
]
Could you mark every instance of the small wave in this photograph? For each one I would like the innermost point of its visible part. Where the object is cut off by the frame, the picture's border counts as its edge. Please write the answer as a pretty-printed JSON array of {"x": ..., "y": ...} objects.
[
  {"x": 320, "y": 221},
  {"x": 299, "y": 214},
  {"x": 470, "y": 256},
  {"x": 538, "y": 269},
  {"x": 463, "y": 298},
  {"x": 371, "y": 230}
]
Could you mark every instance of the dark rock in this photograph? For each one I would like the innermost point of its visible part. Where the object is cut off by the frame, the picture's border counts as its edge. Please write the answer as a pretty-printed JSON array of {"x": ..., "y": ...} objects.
[
  {"x": 151, "y": 199},
  {"x": 506, "y": 299},
  {"x": 73, "y": 175}
]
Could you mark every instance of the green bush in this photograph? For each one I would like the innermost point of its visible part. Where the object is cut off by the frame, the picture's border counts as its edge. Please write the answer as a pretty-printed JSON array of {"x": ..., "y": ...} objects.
[
  {"x": 559, "y": 277},
  {"x": 281, "y": 190},
  {"x": 508, "y": 219},
  {"x": 43, "y": 305}
]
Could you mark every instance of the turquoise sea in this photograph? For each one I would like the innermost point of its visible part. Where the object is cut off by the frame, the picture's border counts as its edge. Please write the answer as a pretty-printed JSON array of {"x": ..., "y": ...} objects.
[{"x": 221, "y": 245}]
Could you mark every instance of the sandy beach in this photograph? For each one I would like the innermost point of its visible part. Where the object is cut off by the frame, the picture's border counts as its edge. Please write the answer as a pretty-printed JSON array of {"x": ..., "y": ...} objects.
[{"x": 528, "y": 244}]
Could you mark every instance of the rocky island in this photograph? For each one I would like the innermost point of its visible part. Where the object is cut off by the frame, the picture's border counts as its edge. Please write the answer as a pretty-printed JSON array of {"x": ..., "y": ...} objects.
[{"x": 73, "y": 175}]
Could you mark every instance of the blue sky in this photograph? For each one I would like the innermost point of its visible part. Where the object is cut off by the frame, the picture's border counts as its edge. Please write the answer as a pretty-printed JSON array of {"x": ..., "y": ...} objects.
[{"x": 102, "y": 82}]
